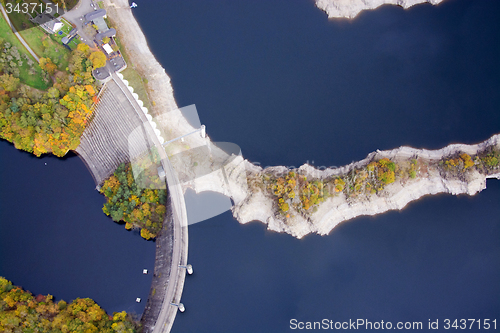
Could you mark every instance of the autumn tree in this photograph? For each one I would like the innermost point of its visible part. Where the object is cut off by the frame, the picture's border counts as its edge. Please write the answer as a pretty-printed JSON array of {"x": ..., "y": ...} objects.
[
  {"x": 98, "y": 59},
  {"x": 51, "y": 121},
  {"x": 82, "y": 47},
  {"x": 386, "y": 171},
  {"x": 48, "y": 65},
  {"x": 294, "y": 190},
  {"x": 8, "y": 82},
  {"x": 467, "y": 160},
  {"x": 141, "y": 208},
  {"x": 20, "y": 311}
]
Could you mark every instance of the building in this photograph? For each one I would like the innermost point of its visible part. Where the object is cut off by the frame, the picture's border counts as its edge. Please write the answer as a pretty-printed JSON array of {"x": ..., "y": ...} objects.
[
  {"x": 97, "y": 17},
  {"x": 48, "y": 23},
  {"x": 108, "y": 33},
  {"x": 115, "y": 62},
  {"x": 66, "y": 39},
  {"x": 107, "y": 48},
  {"x": 102, "y": 74}
]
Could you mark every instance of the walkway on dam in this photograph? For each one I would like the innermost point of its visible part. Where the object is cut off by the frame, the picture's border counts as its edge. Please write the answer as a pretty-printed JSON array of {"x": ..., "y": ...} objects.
[
  {"x": 105, "y": 144},
  {"x": 179, "y": 230}
]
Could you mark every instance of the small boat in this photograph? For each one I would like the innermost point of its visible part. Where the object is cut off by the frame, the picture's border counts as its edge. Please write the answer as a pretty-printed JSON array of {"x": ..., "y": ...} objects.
[{"x": 133, "y": 5}]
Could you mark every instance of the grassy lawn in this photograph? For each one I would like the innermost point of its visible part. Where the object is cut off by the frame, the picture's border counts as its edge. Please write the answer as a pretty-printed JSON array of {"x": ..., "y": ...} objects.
[
  {"x": 64, "y": 31},
  {"x": 34, "y": 81},
  {"x": 136, "y": 82},
  {"x": 22, "y": 20},
  {"x": 36, "y": 37},
  {"x": 133, "y": 78},
  {"x": 74, "y": 43}
]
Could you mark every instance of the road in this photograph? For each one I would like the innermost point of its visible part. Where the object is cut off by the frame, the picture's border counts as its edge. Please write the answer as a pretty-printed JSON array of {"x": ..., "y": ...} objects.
[
  {"x": 76, "y": 16},
  {"x": 18, "y": 35},
  {"x": 179, "y": 254}
]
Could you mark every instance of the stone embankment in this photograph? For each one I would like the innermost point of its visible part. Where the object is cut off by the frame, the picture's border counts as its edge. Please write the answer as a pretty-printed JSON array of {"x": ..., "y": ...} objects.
[
  {"x": 351, "y": 8},
  {"x": 259, "y": 203},
  {"x": 161, "y": 275},
  {"x": 172, "y": 249}
]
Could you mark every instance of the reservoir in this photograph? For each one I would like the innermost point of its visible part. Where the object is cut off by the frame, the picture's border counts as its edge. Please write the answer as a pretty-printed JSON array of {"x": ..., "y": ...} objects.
[
  {"x": 289, "y": 86},
  {"x": 55, "y": 239}
]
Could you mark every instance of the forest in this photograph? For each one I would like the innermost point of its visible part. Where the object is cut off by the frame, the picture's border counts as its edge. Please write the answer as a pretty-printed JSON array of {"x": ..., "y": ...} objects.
[
  {"x": 485, "y": 162},
  {"x": 294, "y": 190},
  {"x": 44, "y": 108},
  {"x": 138, "y": 206},
  {"x": 50, "y": 121},
  {"x": 20, "y": 311}
]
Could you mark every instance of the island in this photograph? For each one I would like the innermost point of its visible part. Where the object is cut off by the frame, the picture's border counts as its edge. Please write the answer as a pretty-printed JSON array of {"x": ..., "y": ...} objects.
[{"x": 351, "y": 8}]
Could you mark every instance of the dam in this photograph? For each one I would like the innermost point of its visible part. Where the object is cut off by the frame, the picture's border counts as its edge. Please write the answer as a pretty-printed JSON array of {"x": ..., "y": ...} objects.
[{"x": 121, "y": 131}]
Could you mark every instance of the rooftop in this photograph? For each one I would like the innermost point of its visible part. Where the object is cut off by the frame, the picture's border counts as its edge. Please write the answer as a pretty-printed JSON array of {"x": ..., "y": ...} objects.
[
  {"x": 95, "y": 14},
  {"x": 108, "y": 33},
  {"x": 101, "y": 74},
  {"x": 117, "y": 63},
  {"x": 101, "y": 24},
  {"x": 107, "y": 48}
]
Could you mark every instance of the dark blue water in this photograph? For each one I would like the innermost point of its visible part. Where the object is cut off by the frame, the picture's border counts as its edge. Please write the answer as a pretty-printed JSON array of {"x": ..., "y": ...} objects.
[
  {"x": 288, "y": 85},
  {"x": 439, "y": 258},
  {"x": 55, "y": 239}
]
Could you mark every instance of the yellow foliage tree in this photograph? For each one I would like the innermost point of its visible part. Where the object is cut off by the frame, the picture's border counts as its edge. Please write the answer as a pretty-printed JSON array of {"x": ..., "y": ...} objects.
[
  {"x": 48, "y": 65},
  {"x": 145, "y": 234},
  {"x": 98, "y": 59},
  {"x": 468, "y": 162},
  {"x": 83, "y": 47},
  {"x": 89, "y": 88}
]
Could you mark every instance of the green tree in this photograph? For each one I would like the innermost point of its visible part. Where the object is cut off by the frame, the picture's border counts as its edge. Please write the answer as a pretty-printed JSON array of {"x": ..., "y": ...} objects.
[{"x": 53, "y": 93}]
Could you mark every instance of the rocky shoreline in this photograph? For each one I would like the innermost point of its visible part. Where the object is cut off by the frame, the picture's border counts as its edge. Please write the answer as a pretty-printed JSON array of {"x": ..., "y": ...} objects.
[
  {"x": 239, "y": 179},
  {"x": 259, "y": 203},
  {"x": 351, "y": 8},
  {"x": 159, "y": 87}
]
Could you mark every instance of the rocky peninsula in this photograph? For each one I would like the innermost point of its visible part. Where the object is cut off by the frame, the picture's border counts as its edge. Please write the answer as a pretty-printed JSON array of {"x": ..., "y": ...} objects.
[
  {"x": 307, "y": 200},
  {"x": 304, "y": 200},
  {"x": 351, "y": 8}
]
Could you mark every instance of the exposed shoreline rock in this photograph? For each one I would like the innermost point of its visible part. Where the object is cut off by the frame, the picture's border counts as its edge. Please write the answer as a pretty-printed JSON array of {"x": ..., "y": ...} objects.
[
  {"x": 230, "y": 175},
  {"x": 351, "y": 8},
  {"x": 261, "y": 206}
]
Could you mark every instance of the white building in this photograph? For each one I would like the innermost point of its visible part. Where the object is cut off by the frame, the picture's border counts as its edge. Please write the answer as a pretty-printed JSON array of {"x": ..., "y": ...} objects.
[{"x": 107, "y": 48}]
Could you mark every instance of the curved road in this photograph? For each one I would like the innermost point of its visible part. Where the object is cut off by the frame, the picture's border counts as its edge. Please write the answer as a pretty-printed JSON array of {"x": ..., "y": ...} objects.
[
  {"x": 18, "y": 35},
  {"x": 175, "y": 284}
]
